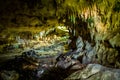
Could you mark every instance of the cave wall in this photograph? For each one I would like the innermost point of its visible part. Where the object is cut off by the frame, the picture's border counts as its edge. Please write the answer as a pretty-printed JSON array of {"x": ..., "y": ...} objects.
[
  {"x": 21, "y": 13},
  {"x": 97, "y": 21},
  {"x": 25, "y": 17}
]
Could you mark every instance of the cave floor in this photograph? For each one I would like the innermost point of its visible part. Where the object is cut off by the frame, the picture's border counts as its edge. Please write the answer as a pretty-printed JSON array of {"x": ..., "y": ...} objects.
[{"x": 20, "y": 63}]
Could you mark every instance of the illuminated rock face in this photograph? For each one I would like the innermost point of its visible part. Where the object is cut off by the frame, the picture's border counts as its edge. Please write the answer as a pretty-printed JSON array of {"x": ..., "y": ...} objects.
[
  {"x": 95, "y": 72},
  {"x": 95, "y": 21}
]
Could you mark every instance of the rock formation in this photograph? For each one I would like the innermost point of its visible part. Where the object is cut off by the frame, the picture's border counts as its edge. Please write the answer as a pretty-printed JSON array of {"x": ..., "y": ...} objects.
[{"x": 92, "y": 28}]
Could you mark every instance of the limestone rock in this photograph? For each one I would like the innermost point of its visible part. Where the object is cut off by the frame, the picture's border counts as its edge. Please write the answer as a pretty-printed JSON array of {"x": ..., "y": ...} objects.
[
  {"x": 79, "y": 42},
  {"x": 104, "y": 58},
  {"x": 115, "y": 40},
  {"x": 95, "y": 72},
  {"x": 9, "y": 75}
]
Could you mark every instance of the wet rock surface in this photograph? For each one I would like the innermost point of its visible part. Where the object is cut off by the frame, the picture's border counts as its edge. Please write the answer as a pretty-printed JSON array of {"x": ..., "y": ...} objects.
[
  {"x": 27, "y": 66},
  {"x": 9, "y": 75},
  {"x": 80, "y": 63},
  {"x": 97, "y": 22},
  {"x": 30, "y": 66},
  {"x": 96, "y": 72}
]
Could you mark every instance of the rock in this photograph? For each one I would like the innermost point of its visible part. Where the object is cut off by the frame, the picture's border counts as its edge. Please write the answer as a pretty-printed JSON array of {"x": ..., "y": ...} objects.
[
  {"x": 60, "y": 56},
  {"x": 42, "y": 34},
  {"x": 115, "y": 40},
  {"x": 107, "y": 75},
  {"x": 85, "y": 52},
  {"x": 40, "y": 72},
  {"x": 78, "y": 56},
  {"x": 63, "y": 64},
  {"x": 95, "y": 72},
  {"x": 79, "y": 43},
  {"x": 31, "y": 57},
  {"x": 76, "y": 65},
  {"x": 89, "y": 57},
  {"x": 111, "y": 58},
  {"x": 9, "y": 75},
  {"x": 104, "y": 58},
  {"x": 61, "y": 30},
  {"x": 64, "y": 61},
  {"x": 8, "y": 47},
  {"x": 91, "y": 69},
  {"x": 85, "y": 60},
  {"x": 90, "y": 53},
  {"x": 88, "y": 46}
]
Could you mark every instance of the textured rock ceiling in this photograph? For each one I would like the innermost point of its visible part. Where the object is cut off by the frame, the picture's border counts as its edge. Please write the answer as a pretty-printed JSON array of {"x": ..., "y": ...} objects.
[
  {"x": 99, "y": 18},
  {"x": 40, "y": 12}
]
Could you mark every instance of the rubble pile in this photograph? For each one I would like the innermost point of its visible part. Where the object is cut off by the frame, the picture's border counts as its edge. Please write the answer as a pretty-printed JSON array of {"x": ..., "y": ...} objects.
[{"x": 31, "y": 66}]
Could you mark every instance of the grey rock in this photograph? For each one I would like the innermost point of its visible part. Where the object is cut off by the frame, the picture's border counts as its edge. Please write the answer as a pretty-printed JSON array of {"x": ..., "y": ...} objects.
[
  {"x": 96, "y": 72},
  {"x": 88, "y": 46},
  {"x": 79, "y": 42},
  {"x": 9, "y": 75}
]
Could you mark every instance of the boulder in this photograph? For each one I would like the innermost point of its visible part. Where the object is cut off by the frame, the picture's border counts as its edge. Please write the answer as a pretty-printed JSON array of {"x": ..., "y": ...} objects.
[
  {"x": 85, "y": 52},
  {"x": 9, "y": 75},
  {"x": 95, "y": 72}
]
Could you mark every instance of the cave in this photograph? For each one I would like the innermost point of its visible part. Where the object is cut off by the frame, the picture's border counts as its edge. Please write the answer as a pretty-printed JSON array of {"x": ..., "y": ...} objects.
[{"x": 59, "y": 40}]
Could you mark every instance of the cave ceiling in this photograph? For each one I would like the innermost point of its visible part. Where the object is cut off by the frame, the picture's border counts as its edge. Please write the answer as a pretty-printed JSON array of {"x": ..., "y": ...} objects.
[
  {"x": 40, "y": 12},
  {"x": 100, "y": 16}
]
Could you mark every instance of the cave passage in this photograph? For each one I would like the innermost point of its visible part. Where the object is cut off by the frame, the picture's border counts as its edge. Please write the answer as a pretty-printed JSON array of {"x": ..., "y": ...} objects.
[{"x": 59, "y": 39}]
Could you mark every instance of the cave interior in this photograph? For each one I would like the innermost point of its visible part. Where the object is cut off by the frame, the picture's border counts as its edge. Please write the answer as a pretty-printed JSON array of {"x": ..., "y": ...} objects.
[{"x": 70, "y": 39}]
